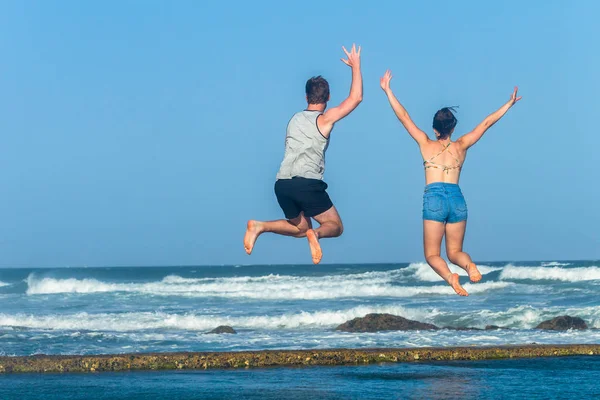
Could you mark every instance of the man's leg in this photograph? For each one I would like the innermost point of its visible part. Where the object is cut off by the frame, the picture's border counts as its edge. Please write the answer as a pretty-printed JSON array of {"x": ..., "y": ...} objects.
[
  {"x": 296, "y": 227},
  {"x": 330, "y": 226},
  {"x": 433, "y": 232}
]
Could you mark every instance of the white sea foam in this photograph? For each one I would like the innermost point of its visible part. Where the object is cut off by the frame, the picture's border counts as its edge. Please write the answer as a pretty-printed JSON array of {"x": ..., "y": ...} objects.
[
  {"x": 4, "y": 284},
  {"x": 136, "y": 321},
  {"x": 521, "y": 317},
  {"x": 369, "y": 284},
  {"x": 528, "y": 317},
  {"x": 423, "y": 272},
  {"x": 550, "y": 273},
  {"x": 177, "y": 340},
  {"x": 555, "y": 264}
]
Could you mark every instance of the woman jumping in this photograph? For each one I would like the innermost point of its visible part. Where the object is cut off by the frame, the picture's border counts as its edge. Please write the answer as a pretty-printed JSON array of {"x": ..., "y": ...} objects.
[{"x": 444, "y": 207}]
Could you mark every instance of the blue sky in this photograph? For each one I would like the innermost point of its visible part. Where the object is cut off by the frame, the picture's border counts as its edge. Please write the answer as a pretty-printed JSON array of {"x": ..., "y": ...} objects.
[{"x": 148, "y": 132}]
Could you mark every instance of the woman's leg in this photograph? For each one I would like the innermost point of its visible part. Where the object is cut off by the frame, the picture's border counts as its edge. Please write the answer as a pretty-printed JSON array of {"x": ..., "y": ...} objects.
[
  {"x": 455, "y": 235},
  {"x": 433, "y": 232}
]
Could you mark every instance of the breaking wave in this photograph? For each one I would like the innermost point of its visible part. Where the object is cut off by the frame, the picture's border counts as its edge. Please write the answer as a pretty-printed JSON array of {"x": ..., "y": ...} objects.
[
  {"x": 550, "y": 273},
  {"x": 159, "y": 320},
  {"x": 370, "y": 284},
  {"x": 521, "y": 317},
  {"x": 423, "y": 272}
]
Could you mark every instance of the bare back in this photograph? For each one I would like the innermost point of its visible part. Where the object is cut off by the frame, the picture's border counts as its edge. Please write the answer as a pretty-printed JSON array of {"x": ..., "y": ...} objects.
[{"x": 442, "y": 160}]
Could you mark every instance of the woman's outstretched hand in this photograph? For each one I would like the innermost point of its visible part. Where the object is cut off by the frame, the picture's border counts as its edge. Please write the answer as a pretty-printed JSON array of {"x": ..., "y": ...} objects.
[
  {"x": 385, "y": 80},
  {"x": 513, "y": 97}
]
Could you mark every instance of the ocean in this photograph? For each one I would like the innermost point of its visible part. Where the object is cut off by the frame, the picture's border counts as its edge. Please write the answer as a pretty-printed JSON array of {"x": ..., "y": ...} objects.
[
  {"x": 533, "y": 379},
  {"x": 165, "y": 309}
]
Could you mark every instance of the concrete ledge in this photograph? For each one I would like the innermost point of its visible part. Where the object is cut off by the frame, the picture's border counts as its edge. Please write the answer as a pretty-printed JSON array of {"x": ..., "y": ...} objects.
[{"x": 272, "y": 358}]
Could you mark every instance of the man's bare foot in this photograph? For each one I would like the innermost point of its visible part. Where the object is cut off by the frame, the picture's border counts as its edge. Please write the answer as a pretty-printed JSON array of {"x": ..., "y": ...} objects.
[
  {"x": 474, "y": 274},
  {"x": 315, "y": 247},
  {"x": 453, "y": 281},
  {"x": 252, "y": 232}
]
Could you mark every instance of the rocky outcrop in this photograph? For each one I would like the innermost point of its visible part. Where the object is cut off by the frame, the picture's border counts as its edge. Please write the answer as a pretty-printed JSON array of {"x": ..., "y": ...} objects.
[
  {"x": 222, "y": 329},
  {"x": 272, "y": 358},
  {"x": 563, "y": 323},
  {"x": 494, "y": 327},
  {"x": 383, "y": 322}
]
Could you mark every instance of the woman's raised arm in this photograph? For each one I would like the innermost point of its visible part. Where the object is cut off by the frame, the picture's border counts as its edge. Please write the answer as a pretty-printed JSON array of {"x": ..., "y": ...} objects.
[
  {"x": 414, "y": 131},
  {"x": 469, "y": 139}
]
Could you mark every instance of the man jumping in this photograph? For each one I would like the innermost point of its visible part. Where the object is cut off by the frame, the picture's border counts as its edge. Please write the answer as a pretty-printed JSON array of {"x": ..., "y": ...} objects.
[{"x": 300, "y": 189}]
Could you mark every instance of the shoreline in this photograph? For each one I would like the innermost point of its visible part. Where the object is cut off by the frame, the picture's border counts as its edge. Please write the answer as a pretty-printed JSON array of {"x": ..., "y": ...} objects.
[{"x": 279, "y": 358}]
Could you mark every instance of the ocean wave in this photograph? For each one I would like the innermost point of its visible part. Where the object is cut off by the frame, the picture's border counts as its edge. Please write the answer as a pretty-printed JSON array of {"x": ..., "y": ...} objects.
[
  {"x": 369, "y": 284},
  {"x": 521, "y": 317},
  {"x": 136, "y": 321},
  {"x": 4, "y": 284},
  {"x": 555, "y": 264},
  {"x": 423, "y": 272},
  {"x": 180, "y": 341},
  {"x": 550, "y": 273},
  {"x": 528, "y": 317}
]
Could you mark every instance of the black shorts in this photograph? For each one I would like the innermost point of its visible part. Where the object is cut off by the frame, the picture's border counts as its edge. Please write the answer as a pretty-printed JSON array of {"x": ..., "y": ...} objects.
[{"x": 302, "y": 195}]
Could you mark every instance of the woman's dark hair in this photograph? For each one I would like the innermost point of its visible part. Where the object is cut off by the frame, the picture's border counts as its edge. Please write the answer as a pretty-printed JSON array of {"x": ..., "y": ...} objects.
[
  {"x": 317, "y": 90},
  {"x": 444, "y": 121}
]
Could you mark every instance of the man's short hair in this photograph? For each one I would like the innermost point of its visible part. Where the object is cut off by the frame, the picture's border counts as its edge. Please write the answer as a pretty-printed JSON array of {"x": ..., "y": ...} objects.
[{"x": 317, "y": 90}]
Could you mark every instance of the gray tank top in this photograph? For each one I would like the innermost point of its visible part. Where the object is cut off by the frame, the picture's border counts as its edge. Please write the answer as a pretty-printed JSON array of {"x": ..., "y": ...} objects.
[{"x": 305, "y": 148}]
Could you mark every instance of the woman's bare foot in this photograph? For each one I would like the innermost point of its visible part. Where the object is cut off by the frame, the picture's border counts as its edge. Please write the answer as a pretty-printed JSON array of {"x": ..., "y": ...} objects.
[
  {"x": 253, "y": 230},
  {"x": 474, "y": 274},
  {"x": 453, "y": 281},
  {"x": 315, "y": 247}
]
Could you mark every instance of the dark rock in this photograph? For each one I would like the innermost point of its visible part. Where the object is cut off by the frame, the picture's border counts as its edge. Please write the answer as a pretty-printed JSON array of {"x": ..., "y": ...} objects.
[
  {"x": 494, "y": 327},
  {"x": 461, "y": 328},
  {"x": 223, "y": 329},
  {"x": 563, "y": 323},
  {"x": 383, "y": 322}
]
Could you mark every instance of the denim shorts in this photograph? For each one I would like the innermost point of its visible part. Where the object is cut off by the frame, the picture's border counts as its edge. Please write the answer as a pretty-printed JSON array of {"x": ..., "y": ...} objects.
[{"x": 444, "y": 202}]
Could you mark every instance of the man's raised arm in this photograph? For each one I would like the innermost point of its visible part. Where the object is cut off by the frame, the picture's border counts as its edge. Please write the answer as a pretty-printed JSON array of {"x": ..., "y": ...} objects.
[{"x": 334, "y": 114}]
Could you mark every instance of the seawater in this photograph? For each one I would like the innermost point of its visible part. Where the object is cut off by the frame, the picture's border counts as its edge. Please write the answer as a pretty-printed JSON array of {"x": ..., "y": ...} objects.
[
  {"x": 533, "y": 379},
  {"x": 143, "y": 309}
]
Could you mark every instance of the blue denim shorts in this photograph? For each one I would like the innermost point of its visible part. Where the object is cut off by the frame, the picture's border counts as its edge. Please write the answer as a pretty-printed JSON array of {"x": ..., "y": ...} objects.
[{"x": 444, "y": 202}]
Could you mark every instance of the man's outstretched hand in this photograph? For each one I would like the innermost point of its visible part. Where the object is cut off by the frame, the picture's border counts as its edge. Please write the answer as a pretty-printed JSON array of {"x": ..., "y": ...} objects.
[{"x": 353, "y": 59}]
